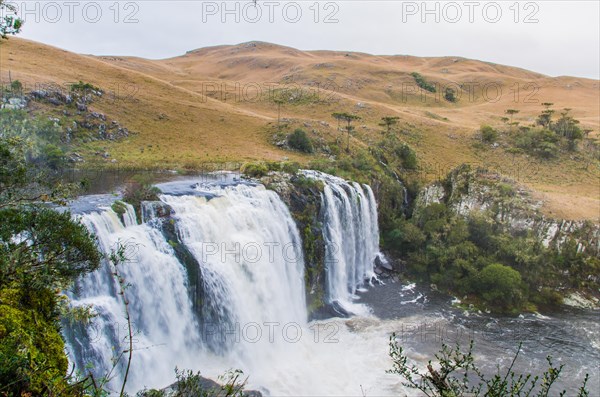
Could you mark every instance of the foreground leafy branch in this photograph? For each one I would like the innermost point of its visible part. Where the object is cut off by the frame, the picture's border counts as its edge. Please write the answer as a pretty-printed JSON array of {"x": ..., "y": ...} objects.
[{"x": 458, "y": 375}]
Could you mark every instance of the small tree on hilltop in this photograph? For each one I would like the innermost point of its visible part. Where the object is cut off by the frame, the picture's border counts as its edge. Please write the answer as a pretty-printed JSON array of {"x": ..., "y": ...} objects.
[
  {"x": 348, "y": 118},
  {"x": 545, "y": 118},
  {"x": 338, "y": 116},
  {"x": 388, "y": 122},
  {"x": 511, "y": 113}
]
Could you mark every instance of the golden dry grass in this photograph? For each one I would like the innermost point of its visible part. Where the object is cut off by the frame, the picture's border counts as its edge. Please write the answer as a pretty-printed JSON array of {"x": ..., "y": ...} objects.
[{"x": 167, "y": 105}]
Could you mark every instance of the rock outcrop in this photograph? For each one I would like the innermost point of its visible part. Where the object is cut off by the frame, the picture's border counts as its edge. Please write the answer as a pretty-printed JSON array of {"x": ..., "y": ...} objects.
[{"x": 468, "y": 191}]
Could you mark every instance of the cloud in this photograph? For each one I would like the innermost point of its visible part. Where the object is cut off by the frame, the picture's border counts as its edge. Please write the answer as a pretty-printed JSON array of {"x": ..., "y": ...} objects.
[{"x": 551, "y": 37}]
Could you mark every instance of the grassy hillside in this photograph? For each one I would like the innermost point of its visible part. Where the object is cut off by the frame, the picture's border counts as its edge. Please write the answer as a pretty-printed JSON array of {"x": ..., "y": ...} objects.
[{"x": 217, "y": 104}]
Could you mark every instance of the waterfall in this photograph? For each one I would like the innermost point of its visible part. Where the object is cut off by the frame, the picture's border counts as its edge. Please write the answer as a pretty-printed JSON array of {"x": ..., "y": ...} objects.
[
  {"x": 215, "y": 278},
  {"x": 161, "y": 312},
  {"x": 352, "y": 238},
  {"x": 249, "y": 254}
]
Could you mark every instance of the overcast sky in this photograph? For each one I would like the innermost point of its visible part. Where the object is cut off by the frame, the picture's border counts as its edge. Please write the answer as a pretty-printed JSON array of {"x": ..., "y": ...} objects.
[{"x": 551, "y": 37}]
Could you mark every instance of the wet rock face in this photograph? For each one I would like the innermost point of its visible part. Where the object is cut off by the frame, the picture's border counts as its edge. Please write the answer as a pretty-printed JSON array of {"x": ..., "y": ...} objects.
[{"x": 303, "y": 198}]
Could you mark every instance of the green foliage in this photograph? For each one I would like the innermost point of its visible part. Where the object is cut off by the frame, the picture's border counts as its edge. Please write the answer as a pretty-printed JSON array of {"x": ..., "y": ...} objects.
[
  {"x": 51, "y": 252},
  {"x": 53, "y": 156},
  {"x": 290, "y": 167},
  {"x": 80, "y": 86},
  {"x": 298, "y": 140},
  {"x": 119, "y": 207},
  {"x": 40, "y": 140},
  {"x": 255, "y": 170},
  {"x": 140, "y": 189},
  {"x": 403, "y": 236},
  {"x": 422, "y": 83},
  {"x": 479, "y": 257},
  {"x": 362, "y": 161},
  {"x": 10, "y": 24},
  {"x": 450, "y": 95},
  {"x": 407, "y": 156},
  {"x": 304, "y": 182},
  {"x": 455, "y": 374},
  {"x": 547, "y": 137},
  {"x": 32, "y": 358},
  {"x": 348, "y": 118},
  {"x": 191, "y": 384},
  {"x": 388, "y": 122},
  {"x": 540, "y": 142},
  {"x": 16, "y": 87},
  {"x": 42, "y": 252},
  {"x": 500, "y": 286},
  {"x": 488, "y": 134}
]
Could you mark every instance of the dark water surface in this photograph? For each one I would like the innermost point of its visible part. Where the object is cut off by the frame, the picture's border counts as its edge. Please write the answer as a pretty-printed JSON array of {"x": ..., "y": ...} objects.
[{"x": 427, "y": 318}]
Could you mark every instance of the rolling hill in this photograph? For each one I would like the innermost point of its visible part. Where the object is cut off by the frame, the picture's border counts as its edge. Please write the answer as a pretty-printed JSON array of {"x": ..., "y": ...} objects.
[{"x": 217, "y": 104}]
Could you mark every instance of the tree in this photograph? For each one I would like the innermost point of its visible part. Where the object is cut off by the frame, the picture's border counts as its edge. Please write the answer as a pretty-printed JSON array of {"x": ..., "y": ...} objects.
[
  {"x": 349, "y": 118},
  {"x": 279, "y": 102},
  {"x": 16, "y": 87},
  {"x": 422, "y": 83},
  {"x": 42, "y": 251},
  {"x": 545, "y": 118},
  {"x": 9, "y": 24},
  {"x": 338, "y": 117},
  {"x": 388, "y": 122},
  {"x": 566, "y": 126},
  {"x": 511, "y": 113},
  {"x": 407, "y": 156}
]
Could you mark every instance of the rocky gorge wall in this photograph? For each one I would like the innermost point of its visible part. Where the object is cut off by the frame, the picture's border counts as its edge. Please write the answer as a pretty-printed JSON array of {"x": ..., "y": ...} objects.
[{"x": 467, "y": 191}]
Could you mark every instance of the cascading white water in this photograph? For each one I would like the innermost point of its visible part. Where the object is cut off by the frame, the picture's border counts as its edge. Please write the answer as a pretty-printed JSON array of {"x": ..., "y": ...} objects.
[
  {"x": 352, "y": 238},
  {"x": 249, "y": 309},
  {"x": 250, "y": 257},
  {"x": 161, "y": 312}
]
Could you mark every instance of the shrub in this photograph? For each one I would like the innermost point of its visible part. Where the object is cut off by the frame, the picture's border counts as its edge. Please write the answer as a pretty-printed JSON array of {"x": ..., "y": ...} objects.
[
  {"x": 450, "y": 95},
  {"x": 53, "y": 156},
  {"x": 421, "y": 82},
  {"x": 255, "y": 170},
  {"x": 403, "y": 237},
  {"x": 455, "y": 373},
  {"x": 82, "y": 87},
  {"x": 407, "y": 156},
  {"x": 500, "y": 286},
  {"x": 539, "y": 142},
  {"x": 16, "y": 87},
  {"x": 140, "y": 189},
  {"x": 290, "y": 167},
  {"x": 488, "y": 134},
  {"x": 362, "y": 161},
  {"x": 298, "y": 140},
  {"x": 119, "y": 207}
]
